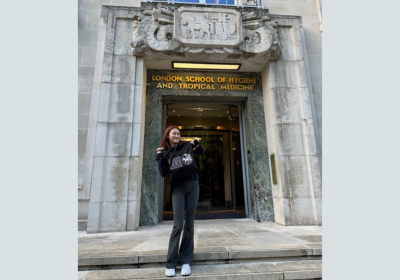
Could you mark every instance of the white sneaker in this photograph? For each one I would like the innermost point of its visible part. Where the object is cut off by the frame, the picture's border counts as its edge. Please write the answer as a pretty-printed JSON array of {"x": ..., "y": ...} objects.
[
  {"x": 170, "y": 272},
  {"x": 186, "y": 270}
]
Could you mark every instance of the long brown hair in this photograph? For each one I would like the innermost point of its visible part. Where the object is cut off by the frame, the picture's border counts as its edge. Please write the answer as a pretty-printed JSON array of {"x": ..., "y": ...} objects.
[{"x": 165, "y": 141}]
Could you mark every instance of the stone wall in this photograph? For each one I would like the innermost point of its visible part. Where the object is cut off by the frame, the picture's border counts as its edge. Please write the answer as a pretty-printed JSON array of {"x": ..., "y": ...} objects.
[{"x": 311, "y": 22}]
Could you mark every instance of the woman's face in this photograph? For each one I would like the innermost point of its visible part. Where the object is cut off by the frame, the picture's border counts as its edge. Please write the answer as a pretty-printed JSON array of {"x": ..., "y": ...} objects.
[{"x": 174, "y": 136}]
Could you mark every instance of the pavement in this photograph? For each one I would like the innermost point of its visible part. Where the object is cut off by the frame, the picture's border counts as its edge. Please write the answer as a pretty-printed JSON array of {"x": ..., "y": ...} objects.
[{"x": 236, "y": 246}]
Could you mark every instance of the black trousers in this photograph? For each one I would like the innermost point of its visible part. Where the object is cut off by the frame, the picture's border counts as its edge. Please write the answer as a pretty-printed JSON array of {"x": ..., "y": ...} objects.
[{"x": 184, "y": 195}]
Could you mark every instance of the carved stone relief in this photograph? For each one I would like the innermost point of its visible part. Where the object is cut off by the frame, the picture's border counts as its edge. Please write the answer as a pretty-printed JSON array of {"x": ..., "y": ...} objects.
[
  {"x": 193, "y": 30},
  {"x": 207, "y": 27}
]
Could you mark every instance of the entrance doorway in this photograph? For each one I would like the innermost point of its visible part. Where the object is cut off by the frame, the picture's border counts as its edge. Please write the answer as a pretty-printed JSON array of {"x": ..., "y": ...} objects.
[{"x": 217, "y": 126}]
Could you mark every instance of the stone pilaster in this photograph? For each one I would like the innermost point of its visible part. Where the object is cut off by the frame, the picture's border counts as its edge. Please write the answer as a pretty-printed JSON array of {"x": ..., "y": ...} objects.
[
  {"x": 290, "y": 132},
  {"x": 117, "y": 133}
]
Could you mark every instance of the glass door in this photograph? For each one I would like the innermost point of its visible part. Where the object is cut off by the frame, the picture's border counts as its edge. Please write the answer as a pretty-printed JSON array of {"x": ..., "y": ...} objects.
[{"x": 220, "y": 168}]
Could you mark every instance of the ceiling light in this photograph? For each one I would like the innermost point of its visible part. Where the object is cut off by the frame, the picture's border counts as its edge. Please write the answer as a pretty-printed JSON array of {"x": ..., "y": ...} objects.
[{"x": 206, "y": 66}]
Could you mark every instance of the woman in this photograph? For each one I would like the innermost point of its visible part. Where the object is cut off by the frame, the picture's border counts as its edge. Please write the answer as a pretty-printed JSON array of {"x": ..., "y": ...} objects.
[{"x": 185, "y": 193}]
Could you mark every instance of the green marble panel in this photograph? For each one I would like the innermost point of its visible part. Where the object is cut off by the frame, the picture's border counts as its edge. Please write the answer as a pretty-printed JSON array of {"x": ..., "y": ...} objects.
[{"x": 259, "y": 169}]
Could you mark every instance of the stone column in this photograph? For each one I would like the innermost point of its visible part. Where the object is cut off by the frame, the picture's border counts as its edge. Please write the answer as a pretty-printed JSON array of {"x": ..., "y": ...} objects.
[
  {"x": 290, "y": 132},
  {"x": 118, "y": 133}
]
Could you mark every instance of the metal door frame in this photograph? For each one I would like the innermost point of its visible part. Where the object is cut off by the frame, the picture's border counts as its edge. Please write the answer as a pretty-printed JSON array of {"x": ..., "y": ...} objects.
[{"x": 243, "y": 147}]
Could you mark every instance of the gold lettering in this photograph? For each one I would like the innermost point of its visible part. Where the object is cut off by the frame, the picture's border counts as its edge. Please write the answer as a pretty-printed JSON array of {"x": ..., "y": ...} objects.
[
  {"x": 212, "y": 86},
  {"x": 159, "y": 85},
  {"x": 203, "y": 86},
  {"x": 233, "y": 80},
  {"x": 166, "y": 78},
  {"x": 223, "y": 86}
]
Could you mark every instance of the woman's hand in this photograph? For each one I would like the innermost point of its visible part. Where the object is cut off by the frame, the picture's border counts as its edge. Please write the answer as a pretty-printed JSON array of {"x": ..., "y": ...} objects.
[
  {"x": 159, "y": 150},
  {"x": 195, "y": 139},
  {"x": 195, "y": 142}
]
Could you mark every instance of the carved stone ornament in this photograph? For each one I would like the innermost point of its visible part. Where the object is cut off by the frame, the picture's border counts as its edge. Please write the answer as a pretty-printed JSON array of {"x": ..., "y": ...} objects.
[{"x": 187, "y": 31}]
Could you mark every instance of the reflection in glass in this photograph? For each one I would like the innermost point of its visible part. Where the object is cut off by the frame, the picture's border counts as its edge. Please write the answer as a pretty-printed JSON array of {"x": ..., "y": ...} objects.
[
  {"x": 220, "y": 2},
  {"x": 215, "y": 2}
]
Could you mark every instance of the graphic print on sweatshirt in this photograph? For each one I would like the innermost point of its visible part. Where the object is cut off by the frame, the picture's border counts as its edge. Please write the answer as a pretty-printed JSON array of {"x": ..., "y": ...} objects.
[
  {"x": 187, "y": 159},
  {"x": 177, "y": 161}
]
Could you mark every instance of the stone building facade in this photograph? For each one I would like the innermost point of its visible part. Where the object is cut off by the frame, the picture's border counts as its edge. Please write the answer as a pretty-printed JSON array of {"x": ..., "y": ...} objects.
[{"x": 126, "y": 78}]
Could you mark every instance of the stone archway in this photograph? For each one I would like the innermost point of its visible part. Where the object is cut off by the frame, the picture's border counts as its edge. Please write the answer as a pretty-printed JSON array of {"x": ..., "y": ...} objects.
[{"x": 260, "y": 189}]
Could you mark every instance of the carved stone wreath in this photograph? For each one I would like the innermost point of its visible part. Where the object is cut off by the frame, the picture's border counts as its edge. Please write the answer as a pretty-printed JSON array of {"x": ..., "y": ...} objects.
[{"x": 192, "y": 30}]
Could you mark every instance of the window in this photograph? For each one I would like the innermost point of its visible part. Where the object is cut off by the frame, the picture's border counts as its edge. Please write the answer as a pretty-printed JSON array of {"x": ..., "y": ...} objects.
[
  {"x": 214, "y": 2},
  {"x": 256, "y": 3}
]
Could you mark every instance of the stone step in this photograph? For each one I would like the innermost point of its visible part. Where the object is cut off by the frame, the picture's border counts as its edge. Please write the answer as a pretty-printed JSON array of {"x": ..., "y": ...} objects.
[
  {"x": 221, "y": 255},
  {"x": 284, "y": 270}
]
